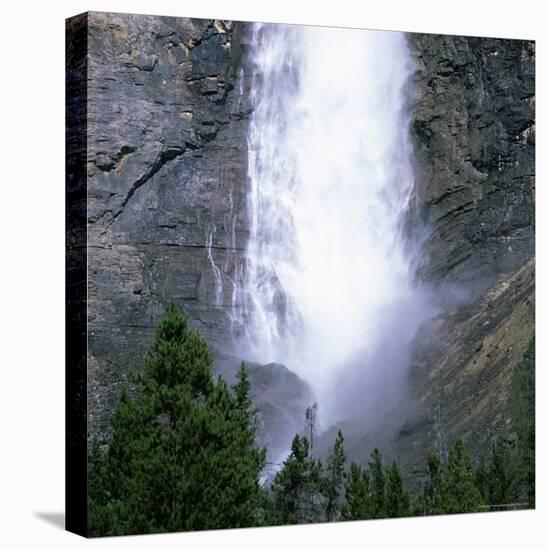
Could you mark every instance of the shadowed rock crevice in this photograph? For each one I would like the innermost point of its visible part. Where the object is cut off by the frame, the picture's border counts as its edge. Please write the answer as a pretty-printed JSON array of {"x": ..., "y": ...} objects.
[{"x": 161, "y": 160}]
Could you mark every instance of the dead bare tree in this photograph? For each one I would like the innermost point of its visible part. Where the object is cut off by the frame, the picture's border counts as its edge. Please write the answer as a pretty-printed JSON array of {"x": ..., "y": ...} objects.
[{"x": 310, "y": 425}]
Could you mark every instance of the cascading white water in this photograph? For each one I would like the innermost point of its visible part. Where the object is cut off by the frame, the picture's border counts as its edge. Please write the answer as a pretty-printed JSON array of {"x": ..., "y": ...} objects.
[{"x": 329, "y": 274}]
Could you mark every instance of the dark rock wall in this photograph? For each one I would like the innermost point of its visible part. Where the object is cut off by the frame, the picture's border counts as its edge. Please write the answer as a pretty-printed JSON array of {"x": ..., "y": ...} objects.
[
  {"x": 474, "y": 134},
  {"x": 166, "y": 184}
]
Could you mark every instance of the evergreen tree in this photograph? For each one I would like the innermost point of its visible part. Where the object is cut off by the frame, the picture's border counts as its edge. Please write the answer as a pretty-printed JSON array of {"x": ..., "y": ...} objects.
[
  {"x": 433, "y": 488},
  {"x": 377, "y": 485},
  {"x": 357, "y": 494},
  {"x": 97, "y": 479},
  {"x": 482, "y": 479},
  {"x": 242, "y": 391},
  {"x": 502, "y": 486},
  {"x": 334, "y": 478},
  {"x": 182, "y": 455},
  {"x": 459, "y": 493},
  {"x": 523, "y": 392},
  {"x": 296, "y": 487},
  {"x": 397, "y": 500},
  {"x": 374, "y": 493}
]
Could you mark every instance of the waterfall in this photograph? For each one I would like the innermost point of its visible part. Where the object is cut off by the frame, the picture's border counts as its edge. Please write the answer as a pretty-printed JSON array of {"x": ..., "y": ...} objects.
[{"x": 329, "y": 279}]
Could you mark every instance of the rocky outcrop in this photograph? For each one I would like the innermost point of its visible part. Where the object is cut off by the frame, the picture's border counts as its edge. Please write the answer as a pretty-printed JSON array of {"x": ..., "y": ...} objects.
[{"x": 474, "y": 134}]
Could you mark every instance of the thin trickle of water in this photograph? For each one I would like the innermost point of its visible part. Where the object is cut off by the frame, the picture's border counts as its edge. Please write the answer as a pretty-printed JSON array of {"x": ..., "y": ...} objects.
[
  {"x": 329, "y": 275},
  {"x": 234, "y": 275},
  {"x": 218, "y": 280}
]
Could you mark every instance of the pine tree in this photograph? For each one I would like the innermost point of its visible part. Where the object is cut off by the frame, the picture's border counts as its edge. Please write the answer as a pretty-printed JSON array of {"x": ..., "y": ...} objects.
[
  {"x": 482, "y": 479},
  {"x": 335, "y": 470},
  {"x": 377, "y": 485},
  {"x": 433, "y": 488},
  {"x": 182, "y": 454},
  {"x": 242, "y": 390},
  {"x": 459, "y": 493},
  {"x": 502, "y": 485},
  {"x": 357, "y": 494},
  {"x": 296, "y": 488},
  {"x": 397, "y": 500},
  {"x": 96, "y": 487},
  {"x": 523, "y": 410},
  {"x": 374, "y": 493}
]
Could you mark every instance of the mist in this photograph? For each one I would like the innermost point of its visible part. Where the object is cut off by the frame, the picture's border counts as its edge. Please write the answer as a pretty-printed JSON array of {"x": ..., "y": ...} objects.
[{"x": 330, "y": 287}]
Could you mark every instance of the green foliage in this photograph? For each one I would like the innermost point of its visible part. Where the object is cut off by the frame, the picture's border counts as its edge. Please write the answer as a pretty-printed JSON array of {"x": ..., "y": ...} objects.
[
  {"x": 508, "y": 478},
  {"x": 182, "y": 455},
  {"x": 451, "y": 487},
  {"x": 357, "y": 490},
  {"x": 242, "y": 391},
  {"x": 397, "y": 501},
  {"x": 482, "y": 479},
  {"x": 377, "y": 485},
  {"x": 459, "y": 493},
  {"x": 335, "y": 472},
  {"x": 296, "y": 487},
  {"x": 433, "y": 489},
  {"x": 375, "y": 492},
  {"x": 523, "y": 402},
  {"x": 502, "y": 479},
  {"x": 502, "y": 475}
]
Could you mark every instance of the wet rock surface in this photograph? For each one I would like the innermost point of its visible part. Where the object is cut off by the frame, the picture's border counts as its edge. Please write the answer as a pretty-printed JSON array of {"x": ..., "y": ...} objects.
[
  {"x": 473, "y": 129},
  {"x": 167, "y": 161}
]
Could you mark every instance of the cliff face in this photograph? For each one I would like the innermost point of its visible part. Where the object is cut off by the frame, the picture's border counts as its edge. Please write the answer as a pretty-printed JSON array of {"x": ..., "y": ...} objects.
[
  {"x": 166, "y": 183},
  {"x": 474, "y": 134},
  {"x": 168, "y": 111}
]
